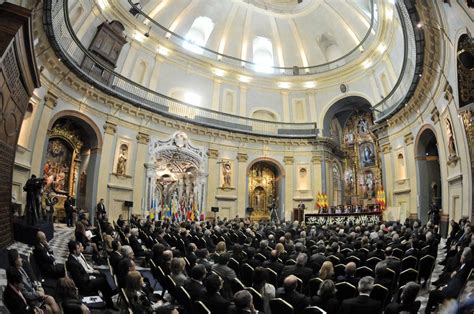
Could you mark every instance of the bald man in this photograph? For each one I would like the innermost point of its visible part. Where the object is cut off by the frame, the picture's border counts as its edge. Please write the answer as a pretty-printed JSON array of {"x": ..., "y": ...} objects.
[
  {"x": 44, "y": 258},
  {"x": 288, "y": 293}
]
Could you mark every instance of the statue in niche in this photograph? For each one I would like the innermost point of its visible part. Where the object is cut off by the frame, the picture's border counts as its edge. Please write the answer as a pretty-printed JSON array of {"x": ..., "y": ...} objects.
[
  {"x": 349, "y": 179},
  {"x": 226, "y": 171},
  {"x": 363, "y": 126},
  {"x": 451, "y": 145},
  {"x": 122, "y": 160}
]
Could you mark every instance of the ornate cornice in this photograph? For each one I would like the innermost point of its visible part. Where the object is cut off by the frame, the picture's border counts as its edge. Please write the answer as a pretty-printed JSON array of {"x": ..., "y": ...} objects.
[
  {"x": 316, "y": 159},
  {"x": 435, "y": 115},
  {"x": 212, "y": 153},
  {"x": 409, "y": 138},
  {"x": 50, "y": 100},
  {"x": 242, "y": 157},
  {"x": 387, "y": 148},
  {"x": 288, "y": 160},
  {"x": 143, "y": 138},
  {"x": 110, "y": 128}
]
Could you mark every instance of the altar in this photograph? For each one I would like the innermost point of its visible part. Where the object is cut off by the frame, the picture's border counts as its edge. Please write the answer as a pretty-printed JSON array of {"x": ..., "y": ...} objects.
[{"x": 354, "y": 218}]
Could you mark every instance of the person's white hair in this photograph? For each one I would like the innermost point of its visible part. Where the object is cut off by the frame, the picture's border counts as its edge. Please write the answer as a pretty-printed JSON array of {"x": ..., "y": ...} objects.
[{"x": 134, "y": 231}]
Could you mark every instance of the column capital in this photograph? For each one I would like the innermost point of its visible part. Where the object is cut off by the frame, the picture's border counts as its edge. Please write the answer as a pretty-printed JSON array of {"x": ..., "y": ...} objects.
[
  {"x": 212, "y": 153},
  {"x": 50, "y": 100},
  {"x": 387, "y": 148},
  {"x": 242, "y": 157},
  {"x": 288, "y": 160},
  {"x": 143, "y": 138},
  {"x": 150, "y": 166},
  {"x": 316, "y": 159},
  {"x": 409, "y": 138},
  {"x": 435, "y": 115},
  {"x": 110, "y": 128}
]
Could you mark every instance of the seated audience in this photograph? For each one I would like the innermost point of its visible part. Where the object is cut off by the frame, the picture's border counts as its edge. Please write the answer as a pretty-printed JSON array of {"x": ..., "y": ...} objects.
[
  {"x": 215, "y": 302},
  {"x": 178, "y": 271},
  {"x": 81, "y": 236},
  {"x": 67, "y": 294},
  {"x": 87, "y": 279},
  {"x": 362, "y": 304},
  {"x": 44, "y": 257},
  {"x": 288, "y": 293},
  {"x": 326, "y": 271},
  {"x": 326, "y": 298},
  {"x": 243, "y": 302},
  {"x": 349, "y": 275},
  {"x": 453, "y": 285},
  {"x": 299, "y": 270},
  {"x": 408, "y": 302},
  {"x": 115, "y": 256},
  {"x": 222, "y": 269},
  {"x": 194, "y": 285},
  {"x": 140, "y": 301},
  {"x": 261, "y": 285},
  {"x": 31, "y": 291}
]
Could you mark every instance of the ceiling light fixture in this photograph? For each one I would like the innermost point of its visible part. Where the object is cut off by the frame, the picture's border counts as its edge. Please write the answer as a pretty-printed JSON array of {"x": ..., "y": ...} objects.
[{"x": 135, "y": 10}]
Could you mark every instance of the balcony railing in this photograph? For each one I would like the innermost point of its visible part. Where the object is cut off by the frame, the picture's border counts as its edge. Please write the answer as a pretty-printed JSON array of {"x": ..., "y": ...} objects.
[{"x": 72, "y": 53}]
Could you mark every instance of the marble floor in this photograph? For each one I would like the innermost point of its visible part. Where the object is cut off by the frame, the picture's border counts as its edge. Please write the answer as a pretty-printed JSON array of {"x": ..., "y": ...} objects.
[{"x": 63, "y": 234}]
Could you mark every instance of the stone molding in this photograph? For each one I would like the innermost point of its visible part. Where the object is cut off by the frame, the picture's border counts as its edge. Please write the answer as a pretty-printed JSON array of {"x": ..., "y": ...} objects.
[
  {"x": 212, "y": 153},
  {"x": 110, "y": 128},
  {"x": 50, "y": 100},
  {"x": 143, "y": 138},
  {"x": 242, "y": 157}
]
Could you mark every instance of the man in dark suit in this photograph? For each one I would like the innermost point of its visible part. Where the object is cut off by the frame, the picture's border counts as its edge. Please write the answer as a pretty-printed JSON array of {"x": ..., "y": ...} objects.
[
  {"x": 213, "y": 300},
  {"x": 69, "y": 210},
  {"x": 362, "y": 304},
  {"x": 273, "y": 263},
  {"x": 392, "y": 262},
  {"x": 299, "y": 270},
  {"x": 378, "y": 252},
  {"x": 288, "y": 293},
  {"x": 453, "y": 285},
  {"x": 88, "y": 280},
  {"x": 194, "y": 285},
  {"x": 349, "y": 275},
  {"x": 12, "y": 296},
  {"x": 45, "y": 260},
  {"x": 115, "y": 255},
  {"x": 101, "y": 212}
]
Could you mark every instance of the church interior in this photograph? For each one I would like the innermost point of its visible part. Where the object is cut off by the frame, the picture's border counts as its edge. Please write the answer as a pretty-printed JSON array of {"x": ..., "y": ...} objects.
[{"x": 236, "y": 156}]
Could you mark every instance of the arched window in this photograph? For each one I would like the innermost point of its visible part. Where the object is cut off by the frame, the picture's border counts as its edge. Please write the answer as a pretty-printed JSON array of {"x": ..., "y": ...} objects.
[
  {"x": 401, "y": 170},
  {"x": 263, "y": 55},
  {"x": 198, "y": 34}
]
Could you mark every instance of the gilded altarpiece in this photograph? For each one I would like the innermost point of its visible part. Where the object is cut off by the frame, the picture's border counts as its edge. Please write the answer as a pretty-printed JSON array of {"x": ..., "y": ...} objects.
[
  {"x": 263, "y": 189},
  {"x": 362, "y": 171},
  {"x": 62, "y": 164}
]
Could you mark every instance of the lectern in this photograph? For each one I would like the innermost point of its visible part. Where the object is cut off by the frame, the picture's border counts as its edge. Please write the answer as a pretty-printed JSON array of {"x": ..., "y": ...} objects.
[{"x": 298, "y": 214}]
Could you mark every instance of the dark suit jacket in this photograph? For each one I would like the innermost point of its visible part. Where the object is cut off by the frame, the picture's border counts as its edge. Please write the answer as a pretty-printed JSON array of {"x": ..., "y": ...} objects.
[
  {"x": 456, "y": 283},
  {"x": 195, "y": 289},
  {"x": 114, "y": 259},
  {"x": 72, "y": 306},
  {"x": 298, "y": 300},
  {"x": 79, "y": 275},
  {"x": 394, "y": 264},
  {"x": 44, "y": 261},
  {"x": 216, "y": 303},
  {"x": 275, "y": 266},
  {"x": 14, "y": 302},
  {"x": 304, "y": 273},
  {"x": 331, "y": 306},
  {"x": 350, "y": 279},
  {"x": 361, "y": 304}
]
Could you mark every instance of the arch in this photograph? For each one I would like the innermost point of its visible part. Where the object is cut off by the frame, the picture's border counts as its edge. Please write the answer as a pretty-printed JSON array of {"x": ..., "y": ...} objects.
[
  {"x": 347, "y": 103},
  {"x": 89, "y": 125},
  {"x": 428, "y": 171},
  {"x": 263, "y": 111},
  {"x": 278, "y": 165}
]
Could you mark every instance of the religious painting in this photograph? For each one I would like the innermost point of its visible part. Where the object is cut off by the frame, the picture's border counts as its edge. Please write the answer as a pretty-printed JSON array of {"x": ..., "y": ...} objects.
[
  {"x": 263, "y": 187},
  {"x": 349, "y": 180},
  {"x": 369, "y": 184},
  {"x": 367, "y": 155},
  {"x": 56, "y": 170}
]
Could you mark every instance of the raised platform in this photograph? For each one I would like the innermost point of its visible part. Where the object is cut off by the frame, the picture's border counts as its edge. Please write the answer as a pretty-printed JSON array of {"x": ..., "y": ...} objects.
[{"x": 22, "y": 232}]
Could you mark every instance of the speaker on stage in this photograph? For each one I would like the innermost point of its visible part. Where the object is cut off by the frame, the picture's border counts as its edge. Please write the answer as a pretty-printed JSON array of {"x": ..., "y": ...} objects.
[
  {"x": 215, "y": 209},
  {"x": 128, "y": 204}
]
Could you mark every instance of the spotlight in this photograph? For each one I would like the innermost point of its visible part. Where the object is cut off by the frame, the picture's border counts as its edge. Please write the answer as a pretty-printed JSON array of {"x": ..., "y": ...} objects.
[
  {"x": 147, "y": 34},
  {"x": 135, "y": 9}
]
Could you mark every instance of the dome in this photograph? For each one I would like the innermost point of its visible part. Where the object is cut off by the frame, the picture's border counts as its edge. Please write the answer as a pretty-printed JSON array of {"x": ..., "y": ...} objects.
[{"x": 268, "y": 36}]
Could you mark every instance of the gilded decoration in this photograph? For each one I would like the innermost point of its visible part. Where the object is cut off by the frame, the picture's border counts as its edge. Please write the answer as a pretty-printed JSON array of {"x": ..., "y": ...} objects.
[
  {"x": 362, "y": 172},
  {"x": 61, "y": 169},
  {"x": 465, "y": 56},
  {"x": 263, "y": 189}
]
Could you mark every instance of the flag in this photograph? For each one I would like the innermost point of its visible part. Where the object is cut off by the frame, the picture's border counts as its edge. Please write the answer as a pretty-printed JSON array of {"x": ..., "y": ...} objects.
[{"x": 318, "y": 201}]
